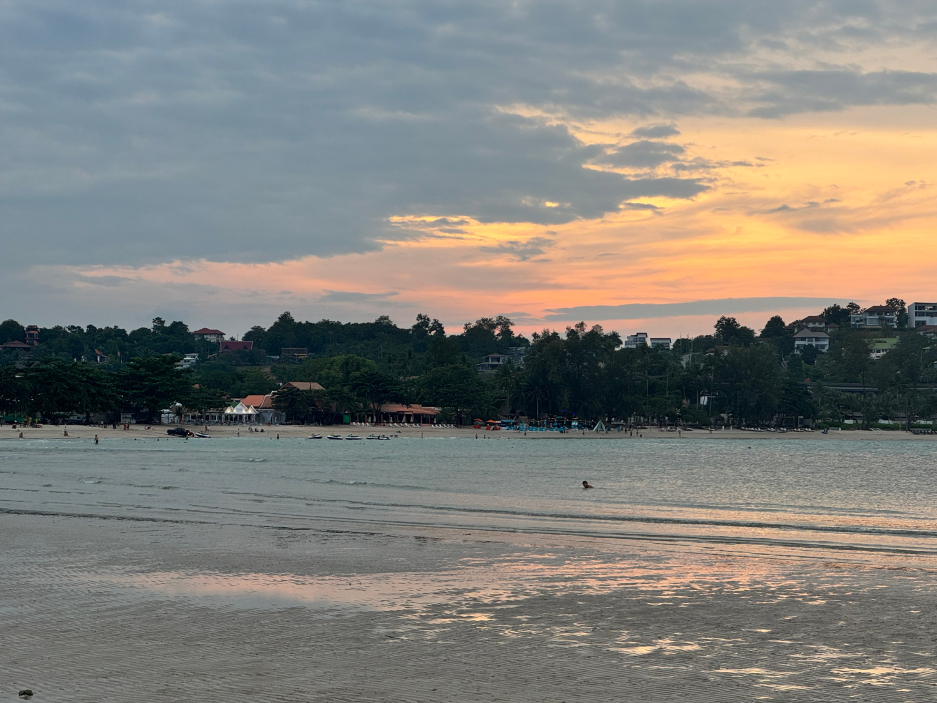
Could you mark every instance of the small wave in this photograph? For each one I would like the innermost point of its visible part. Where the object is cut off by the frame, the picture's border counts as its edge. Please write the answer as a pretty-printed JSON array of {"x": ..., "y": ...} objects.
[
  {"x": 649, "y": 519},
  {"x": 373, "y": 484}
]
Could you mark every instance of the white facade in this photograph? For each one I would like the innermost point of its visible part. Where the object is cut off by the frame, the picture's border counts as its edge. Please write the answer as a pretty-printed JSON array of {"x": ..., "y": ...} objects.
[
  {"x": 660, "y": 343},
  {"x": 812, "y": 338},
  {"x": 920, "y": 314},
  {"x": 633, "y": 341},
  {"x": 876, "y": 316}
]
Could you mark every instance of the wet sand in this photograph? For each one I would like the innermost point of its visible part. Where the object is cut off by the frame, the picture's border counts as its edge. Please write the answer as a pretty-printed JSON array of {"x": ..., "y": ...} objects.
[{"x": 120, "y": 609}]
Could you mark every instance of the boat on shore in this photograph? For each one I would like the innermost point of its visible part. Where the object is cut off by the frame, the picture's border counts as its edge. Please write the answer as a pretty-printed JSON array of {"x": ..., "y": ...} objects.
[
  {"x": 335, "y": 436},
  {"x": 314, "y": 436},
  {"x": 353, "y": 437}
]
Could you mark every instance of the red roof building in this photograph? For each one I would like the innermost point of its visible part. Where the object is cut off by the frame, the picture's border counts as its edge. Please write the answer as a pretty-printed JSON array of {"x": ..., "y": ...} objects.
[
  {"x": 229, "y": 345},
  {"x": 209, "y": 335}
]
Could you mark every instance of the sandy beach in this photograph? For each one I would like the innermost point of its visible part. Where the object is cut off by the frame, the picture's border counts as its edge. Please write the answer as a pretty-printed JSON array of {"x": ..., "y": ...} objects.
[{"x": 301, "y": 431}]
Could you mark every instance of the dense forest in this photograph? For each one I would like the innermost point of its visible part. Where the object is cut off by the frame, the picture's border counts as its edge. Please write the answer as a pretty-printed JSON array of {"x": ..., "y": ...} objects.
[{"x": 733, "y": 376}]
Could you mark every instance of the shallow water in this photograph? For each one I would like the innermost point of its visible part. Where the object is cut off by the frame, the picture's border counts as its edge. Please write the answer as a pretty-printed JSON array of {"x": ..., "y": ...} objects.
[{"x": 869, "y": 497}]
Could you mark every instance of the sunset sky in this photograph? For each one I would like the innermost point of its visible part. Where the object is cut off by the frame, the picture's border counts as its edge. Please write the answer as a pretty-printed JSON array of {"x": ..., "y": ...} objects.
[{"x": 644, "y": 165}]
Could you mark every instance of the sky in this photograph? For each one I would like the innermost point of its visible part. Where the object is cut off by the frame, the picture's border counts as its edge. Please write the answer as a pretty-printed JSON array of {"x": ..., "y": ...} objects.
[{"x": 644, "y": 165}]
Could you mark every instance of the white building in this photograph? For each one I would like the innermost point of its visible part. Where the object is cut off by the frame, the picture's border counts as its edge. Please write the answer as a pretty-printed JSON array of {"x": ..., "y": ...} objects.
[
  {"x": 660, "y": 343},
  {"x": 209, "y": 335},
  {"x": 920, "y": 314},
  {"x": 812, "y": 338},
  {"x": 633, "y": 341},
  {"x": 875, "y": 317},
  {"x": 187, "y": 361}
]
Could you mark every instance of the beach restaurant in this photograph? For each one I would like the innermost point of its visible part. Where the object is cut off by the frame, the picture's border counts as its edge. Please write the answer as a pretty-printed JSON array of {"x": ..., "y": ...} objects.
[
  {"x": 406, "y": 414},
  {"x": 241, "y": 414}
]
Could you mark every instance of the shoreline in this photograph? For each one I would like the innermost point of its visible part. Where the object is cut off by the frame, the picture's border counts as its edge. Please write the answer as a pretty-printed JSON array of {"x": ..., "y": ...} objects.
[{"x": 86, "y": 432}]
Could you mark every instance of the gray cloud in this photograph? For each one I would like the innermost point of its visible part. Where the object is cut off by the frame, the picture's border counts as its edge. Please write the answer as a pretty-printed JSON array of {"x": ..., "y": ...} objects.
[
  {"x": 342, "y": 296},
  {"x": 657, "y": 131},
  {"x": 789, "y": 92},
  {"x": 180, "y": 129},
  {"x": 719, "y": 306},
  {"x": 522, "y": 250}
]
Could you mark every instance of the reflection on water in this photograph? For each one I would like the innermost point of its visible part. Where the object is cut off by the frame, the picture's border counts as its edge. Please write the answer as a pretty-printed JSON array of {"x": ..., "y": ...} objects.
[{"x": 871, "y": 496}]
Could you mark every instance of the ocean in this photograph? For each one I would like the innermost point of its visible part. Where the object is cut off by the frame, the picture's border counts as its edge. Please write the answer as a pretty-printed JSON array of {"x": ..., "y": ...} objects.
[{"x": 868, "y": 498}]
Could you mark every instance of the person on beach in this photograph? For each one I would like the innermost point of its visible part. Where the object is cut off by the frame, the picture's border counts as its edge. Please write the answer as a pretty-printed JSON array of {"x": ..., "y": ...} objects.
[
  {"x": 65, "y": 434},
  {"x": 586, "y": 484},
  {"x": 95, "y": 439}
]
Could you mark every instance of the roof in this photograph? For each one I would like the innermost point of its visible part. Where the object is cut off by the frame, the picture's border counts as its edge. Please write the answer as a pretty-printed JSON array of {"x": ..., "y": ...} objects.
[
  {"x": 812, "y": 334},
  {"x": 261, "y": 402},
  {"x": 205, "y": 330},
  {"x": 303, "y": 385},
  {"x": 926, "y": 329},
  {"x": 813, "y": 319},
  {"x": 236, "y": 346},
  {"x": 417, "y": 409},
  {"x": 16, "y": 344},
  {"x": 879, "y": 310}
]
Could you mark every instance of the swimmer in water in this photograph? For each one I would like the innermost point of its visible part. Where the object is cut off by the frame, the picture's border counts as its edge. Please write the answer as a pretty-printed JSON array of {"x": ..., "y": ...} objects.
[{"x": 586, "y": 484}]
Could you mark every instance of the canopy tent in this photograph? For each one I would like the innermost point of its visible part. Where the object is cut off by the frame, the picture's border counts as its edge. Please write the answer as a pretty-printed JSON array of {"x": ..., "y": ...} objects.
[{"x": 241, "y": 414}]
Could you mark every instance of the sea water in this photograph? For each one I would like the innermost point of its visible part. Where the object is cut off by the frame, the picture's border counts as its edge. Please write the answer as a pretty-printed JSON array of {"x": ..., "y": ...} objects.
[{"x": 868, "y": 496}]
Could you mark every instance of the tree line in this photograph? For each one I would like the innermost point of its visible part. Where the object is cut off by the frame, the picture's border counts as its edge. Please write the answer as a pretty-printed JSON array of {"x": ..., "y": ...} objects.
[{"x": 733, "y": 375}]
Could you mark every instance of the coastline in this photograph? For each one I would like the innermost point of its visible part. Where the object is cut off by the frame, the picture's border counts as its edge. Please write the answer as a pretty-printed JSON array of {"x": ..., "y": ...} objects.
[{"x": 85, "y": 432}]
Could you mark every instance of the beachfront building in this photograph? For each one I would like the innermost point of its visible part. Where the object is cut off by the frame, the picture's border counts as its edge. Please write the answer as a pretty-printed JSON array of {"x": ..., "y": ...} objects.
[
  {"x": 241, "y": 414},
  {"x": 922, "y": 314},
  {"x": 391, "y": 413},
  {"x": 633, "y": 341},
  {"x": 302, "y": 386},
  {"x": 263, "y": 405},
  {"x": 492, "y": 362},
  {"x": 875, "y": 317},
  {"x": 927, "y": 330},
  {"x": 812, "y": 338},
  {"x": 209, "y": 335},
  {"x": 660, "y": 343},
  {"x": 32, "y": 335}
]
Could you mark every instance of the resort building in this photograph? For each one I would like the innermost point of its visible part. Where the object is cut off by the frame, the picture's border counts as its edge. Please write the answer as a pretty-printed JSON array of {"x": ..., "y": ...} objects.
[
  {"x": 922, "y": 314},
  {"x": 32, "y": 335},
  {"x": 406, "y": 414},
  {"x": 492, "y": 362},
  {"x": 880, "y": 347},
  {"x": 633, "y": 341},
  {"x": 812, "y": 338},
  {"x": 188, "y": 361},
  {"x": 16, "y": 345},
  {"x": 209, "y": 335},
  {"x": 232, "y": 346},
  {"x": 241, "y": 414},
  {"x": 302, "y": 386},
  {"x": 294, "y": 353},
  {"x": 813, "y": 322},
  {"x": 874, "y": 317},
  {"x": 263, "y": 407},
  {"x": 660, "y": 343}
]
